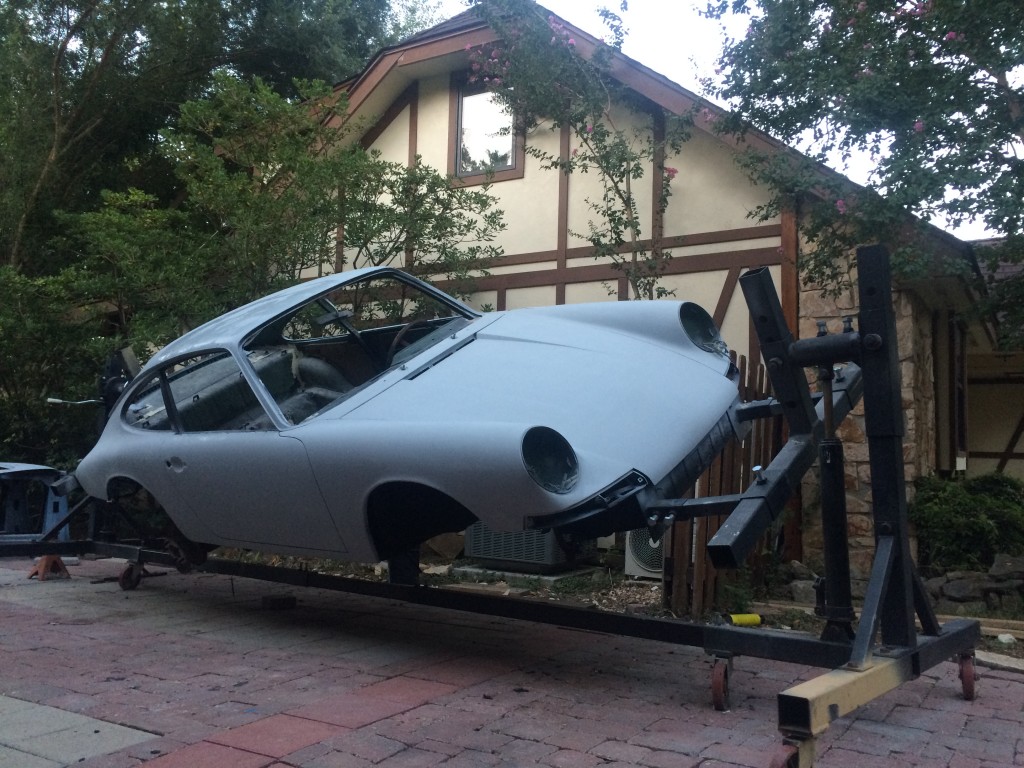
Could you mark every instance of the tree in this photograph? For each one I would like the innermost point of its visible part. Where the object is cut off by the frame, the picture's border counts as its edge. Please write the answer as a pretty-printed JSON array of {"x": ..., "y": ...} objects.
[
  {"x": 930, "y": 91},
  {"x": 283, "y": 40},
  {"x": 121, "y": 224},
  {"x": 542, "y": 77},
  {"x": 268, "y": 184},
  {"x": 414, "y": 218},
  {"x": 87, "y": 85}
]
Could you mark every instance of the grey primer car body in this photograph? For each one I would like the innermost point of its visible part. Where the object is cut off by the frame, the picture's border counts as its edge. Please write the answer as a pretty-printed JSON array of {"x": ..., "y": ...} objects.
[{"x": 355, "y": 415}]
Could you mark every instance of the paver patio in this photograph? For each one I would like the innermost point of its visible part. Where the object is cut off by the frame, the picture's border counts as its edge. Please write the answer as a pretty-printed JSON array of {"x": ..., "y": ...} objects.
[{"x": 194, "y": 672}]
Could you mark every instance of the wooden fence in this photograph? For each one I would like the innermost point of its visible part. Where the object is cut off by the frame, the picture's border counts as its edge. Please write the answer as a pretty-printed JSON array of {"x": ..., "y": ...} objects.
[{"x": 692, "y": 584}]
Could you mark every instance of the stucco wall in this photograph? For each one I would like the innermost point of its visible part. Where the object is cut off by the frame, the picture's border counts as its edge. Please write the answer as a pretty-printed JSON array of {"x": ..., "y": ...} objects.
[{"x": 995, "y": 409}]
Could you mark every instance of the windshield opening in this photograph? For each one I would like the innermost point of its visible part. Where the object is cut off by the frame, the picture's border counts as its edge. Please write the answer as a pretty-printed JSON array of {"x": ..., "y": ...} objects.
[{"x": 324, "y": 350}]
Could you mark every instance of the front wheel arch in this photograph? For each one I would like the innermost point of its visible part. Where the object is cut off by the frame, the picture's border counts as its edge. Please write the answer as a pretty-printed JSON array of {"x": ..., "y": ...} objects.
[{"x": 402, "y": 515}]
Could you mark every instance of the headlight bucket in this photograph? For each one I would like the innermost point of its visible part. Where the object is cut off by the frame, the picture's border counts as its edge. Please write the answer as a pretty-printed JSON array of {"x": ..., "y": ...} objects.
[
  {"x": 700, "y": 328},
  {"x": 550, "y": 460}
]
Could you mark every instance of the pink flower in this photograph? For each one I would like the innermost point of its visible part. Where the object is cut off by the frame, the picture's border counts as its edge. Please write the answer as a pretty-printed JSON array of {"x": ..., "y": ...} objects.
[
  {"x": 951, "y": 35},
  {"x": 590, "y": 129},
  {"x": 575, "y": 151},
  {"x": 670, "y": 173},
  {"x": 841, "y": 205},
  {"x": 918, "y": 126},
  {"x": 571, "y": 41}
]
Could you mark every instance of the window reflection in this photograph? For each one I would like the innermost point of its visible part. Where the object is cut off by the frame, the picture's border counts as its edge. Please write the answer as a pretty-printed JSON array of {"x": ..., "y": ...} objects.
[{"x": 485, "y": 130}]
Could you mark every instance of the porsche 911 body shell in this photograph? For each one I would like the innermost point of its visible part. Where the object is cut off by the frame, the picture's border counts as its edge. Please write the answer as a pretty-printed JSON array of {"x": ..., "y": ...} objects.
[{"x": 621, "y": 382}]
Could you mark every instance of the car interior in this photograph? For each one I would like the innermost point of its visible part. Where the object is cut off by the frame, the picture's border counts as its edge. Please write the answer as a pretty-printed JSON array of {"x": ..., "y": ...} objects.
[{"x": 308, "y": 359}]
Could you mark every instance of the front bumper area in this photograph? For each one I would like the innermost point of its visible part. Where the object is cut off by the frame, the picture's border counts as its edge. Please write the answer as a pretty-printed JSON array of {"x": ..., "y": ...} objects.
[
  {"x": 623, "y": 505},
  {"x": 615, "y": 508}
]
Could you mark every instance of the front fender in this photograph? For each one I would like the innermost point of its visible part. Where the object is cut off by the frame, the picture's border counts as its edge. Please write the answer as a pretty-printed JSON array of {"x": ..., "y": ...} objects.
[{"x": 480, "y": 465}]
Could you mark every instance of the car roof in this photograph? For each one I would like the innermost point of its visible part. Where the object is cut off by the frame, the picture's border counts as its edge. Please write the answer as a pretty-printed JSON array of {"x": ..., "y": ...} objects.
[{"x": 227, "y": 331}]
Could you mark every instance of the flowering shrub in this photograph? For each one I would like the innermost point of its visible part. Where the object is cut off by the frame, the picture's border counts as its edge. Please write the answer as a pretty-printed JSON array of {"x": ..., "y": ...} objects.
[{"x": 927, "y": 91}]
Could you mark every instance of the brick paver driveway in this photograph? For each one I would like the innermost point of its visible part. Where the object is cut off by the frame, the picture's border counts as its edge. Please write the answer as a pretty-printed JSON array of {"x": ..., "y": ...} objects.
[{"x": 341, "y": 680}]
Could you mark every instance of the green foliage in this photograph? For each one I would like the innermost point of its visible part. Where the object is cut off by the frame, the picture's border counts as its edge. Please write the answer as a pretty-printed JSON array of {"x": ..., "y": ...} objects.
[
  {"x": 49, "y": 349},
  {"x": 262, "y": 176},
  {"x": 412, "y": 217},
  {"x": 86, "y": 87},
  {"x": 929, "y": 90},
  {"x": 280, "y": 41},
  {"x": 998, "y": 486},
  {"x": 962, "y": 525},
  {"x": 542, "y": 78},
  {"x": 265, "y": 184}
]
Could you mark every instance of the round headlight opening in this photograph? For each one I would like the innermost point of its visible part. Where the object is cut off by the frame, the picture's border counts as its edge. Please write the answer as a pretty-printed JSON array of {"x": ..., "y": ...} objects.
[
  {"x": 701, "y": 329},
  {"x": 550, "y": 460}
]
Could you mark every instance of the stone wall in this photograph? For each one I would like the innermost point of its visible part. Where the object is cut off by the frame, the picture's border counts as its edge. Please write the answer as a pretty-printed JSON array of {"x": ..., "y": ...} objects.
[
  {"x": 966, "y": 593},
  {"x": 914, "y": 336}
]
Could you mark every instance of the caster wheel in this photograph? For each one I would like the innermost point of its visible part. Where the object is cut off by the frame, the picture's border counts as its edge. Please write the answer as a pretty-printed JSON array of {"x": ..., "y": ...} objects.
[
  {"x": 968, "y": 676},
  {"x": 130, "y": 577},
  {"x": 786, "y": 756},
  {"x": 720, "y": 685}
]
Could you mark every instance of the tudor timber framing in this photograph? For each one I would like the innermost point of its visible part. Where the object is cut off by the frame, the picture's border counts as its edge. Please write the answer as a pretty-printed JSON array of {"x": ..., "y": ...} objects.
[
  {"x": 403, "y": 60},
  {"x": 565, "y": 273}
]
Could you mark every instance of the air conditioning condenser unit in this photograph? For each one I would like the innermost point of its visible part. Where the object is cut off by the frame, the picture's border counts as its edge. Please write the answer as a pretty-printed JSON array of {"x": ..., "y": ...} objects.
[
  {"x": 525, "y": 551},
  {"x": 644, "y": 557}
]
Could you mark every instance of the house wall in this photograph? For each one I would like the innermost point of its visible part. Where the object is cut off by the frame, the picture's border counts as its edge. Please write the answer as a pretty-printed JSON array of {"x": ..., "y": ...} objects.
[
  {"x": 707, "y": 228},
  {"x": 915, "y": 339},
  {"x": 995, "y": 408},
  {"x": 547, "y": 258}
]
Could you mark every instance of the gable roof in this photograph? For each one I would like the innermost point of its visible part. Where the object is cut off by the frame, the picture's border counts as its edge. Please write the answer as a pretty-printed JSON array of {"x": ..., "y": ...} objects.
[{"x": 443, "y": 48}]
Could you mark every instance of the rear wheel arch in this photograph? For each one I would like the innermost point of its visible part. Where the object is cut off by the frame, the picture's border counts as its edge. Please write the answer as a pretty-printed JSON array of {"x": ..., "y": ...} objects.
[
  {"x": 142, "y": 511},
  {"x": 403, "y": 514},
  {"x": 121, "y": 487}
]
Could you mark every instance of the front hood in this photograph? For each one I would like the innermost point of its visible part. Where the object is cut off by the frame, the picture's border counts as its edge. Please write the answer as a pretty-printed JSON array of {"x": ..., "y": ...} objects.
[{"x": 621, "y": 382}]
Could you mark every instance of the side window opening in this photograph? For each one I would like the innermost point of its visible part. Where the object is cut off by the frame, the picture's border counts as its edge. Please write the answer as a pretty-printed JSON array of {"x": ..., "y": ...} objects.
[
  {"x": 208, "y": 393},
  {"x": 146, "y": 409}
]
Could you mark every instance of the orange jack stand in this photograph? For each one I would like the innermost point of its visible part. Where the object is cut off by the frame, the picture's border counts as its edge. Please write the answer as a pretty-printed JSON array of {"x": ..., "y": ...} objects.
[{"x": 49, "y": 565}]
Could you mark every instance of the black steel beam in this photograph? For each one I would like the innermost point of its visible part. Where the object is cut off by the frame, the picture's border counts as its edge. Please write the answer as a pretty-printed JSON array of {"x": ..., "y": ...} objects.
[
  {"x": 763, "y": 502},
  {"x": 883, "y": 424}
]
